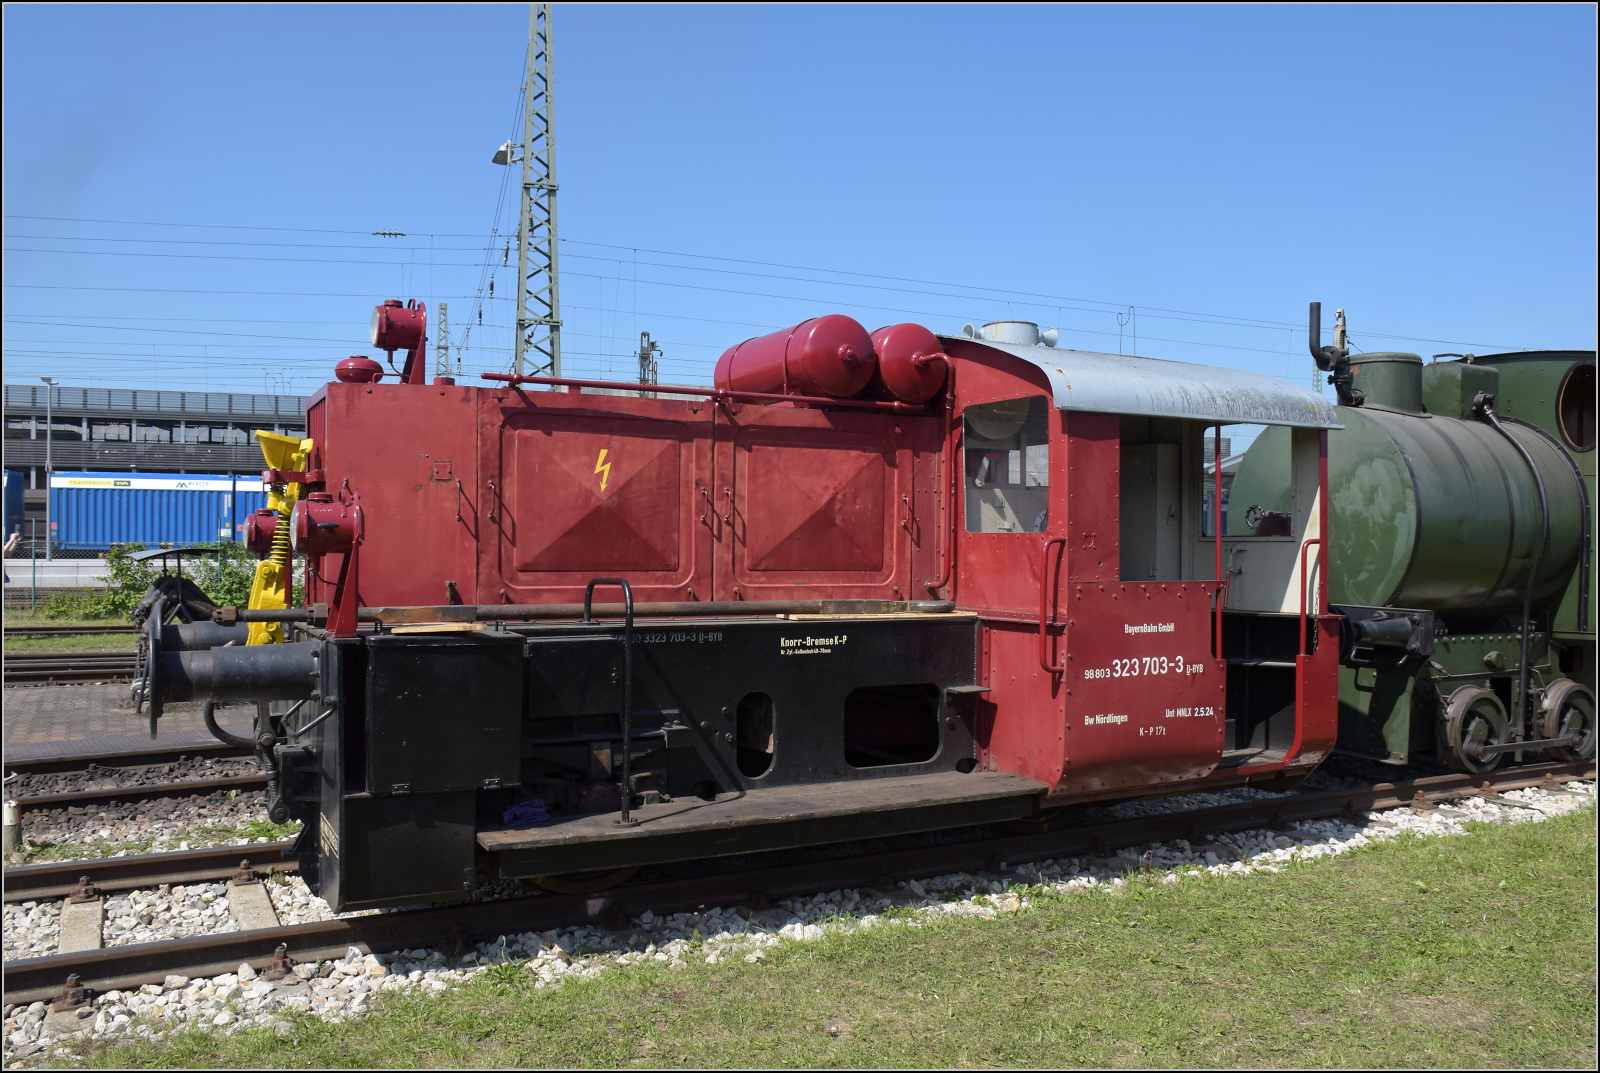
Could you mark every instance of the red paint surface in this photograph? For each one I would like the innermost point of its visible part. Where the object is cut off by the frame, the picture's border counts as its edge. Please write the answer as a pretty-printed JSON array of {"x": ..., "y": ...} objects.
[
  {"x": 1146, "y": 701},
  {"x": 813, "y": 501},
  {"x": 380, "y": 441}
]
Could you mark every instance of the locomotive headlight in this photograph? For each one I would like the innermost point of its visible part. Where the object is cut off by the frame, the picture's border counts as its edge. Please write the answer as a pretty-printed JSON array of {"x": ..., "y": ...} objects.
[{"x": 396, "y": 326}]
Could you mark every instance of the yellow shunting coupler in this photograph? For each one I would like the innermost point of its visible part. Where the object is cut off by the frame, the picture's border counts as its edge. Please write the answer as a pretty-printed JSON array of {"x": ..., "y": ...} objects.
[{"x": 274, "y": 583}]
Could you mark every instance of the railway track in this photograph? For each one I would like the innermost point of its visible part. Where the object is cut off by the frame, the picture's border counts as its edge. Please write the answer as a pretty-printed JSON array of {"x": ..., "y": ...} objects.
[
  {"x": 115, "y": 795},
  {"x": 457, "y": 926},
  {"x": 157, "y": 754},
  {"x": 48, "y": 667},
  {"x": 66, "y": 631},
  {"x": 60, "y": 878}
]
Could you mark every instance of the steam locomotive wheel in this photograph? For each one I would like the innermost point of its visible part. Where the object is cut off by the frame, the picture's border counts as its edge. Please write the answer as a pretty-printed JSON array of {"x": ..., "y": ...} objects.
[
  {"x": 1474, "y": 720},
  {"x": 585, "y": 882},
  {"x": 1568, "y": 711}
]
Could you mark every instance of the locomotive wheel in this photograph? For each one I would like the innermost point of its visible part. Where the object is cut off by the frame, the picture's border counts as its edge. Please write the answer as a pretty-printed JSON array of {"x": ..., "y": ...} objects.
[
  {"x": 1568, "y": 709},
  {"x": 1474, "y": 719},
  {"x": 585, "y": 882}
]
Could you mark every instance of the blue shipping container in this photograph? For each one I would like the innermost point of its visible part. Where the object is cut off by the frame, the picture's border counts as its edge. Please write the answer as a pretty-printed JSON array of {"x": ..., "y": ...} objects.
[
  {"x": 97, "y": 510},
  {"x": 16, "y": 480}
]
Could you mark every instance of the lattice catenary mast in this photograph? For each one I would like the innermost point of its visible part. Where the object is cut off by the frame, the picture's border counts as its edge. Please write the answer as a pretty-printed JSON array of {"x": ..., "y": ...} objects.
[
  {"x": 441, "y": 365},
  {"x": 538, "y": 339}
]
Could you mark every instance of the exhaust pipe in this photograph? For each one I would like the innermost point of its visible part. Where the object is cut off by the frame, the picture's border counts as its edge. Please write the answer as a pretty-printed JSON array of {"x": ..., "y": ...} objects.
[
  {"x": 1334, "y": 359},
  {"x": 1324, "y": 356}
]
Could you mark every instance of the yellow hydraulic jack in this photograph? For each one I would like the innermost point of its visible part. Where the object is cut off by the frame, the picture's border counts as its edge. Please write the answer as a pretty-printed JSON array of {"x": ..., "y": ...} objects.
[{"x": 274, "y": 581}]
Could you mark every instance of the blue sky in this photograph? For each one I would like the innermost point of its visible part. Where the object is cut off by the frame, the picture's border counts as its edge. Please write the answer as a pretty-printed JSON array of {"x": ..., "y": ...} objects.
[{"x": 1429, "y": 169}]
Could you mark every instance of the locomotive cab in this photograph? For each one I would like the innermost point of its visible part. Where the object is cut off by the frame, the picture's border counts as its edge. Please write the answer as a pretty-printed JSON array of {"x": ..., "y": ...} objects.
[{"x": 1146, "y": 659}]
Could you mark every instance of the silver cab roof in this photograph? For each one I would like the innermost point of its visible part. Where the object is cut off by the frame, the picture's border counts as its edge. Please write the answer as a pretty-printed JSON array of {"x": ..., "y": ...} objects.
[{"x": 1123, "y": 384}]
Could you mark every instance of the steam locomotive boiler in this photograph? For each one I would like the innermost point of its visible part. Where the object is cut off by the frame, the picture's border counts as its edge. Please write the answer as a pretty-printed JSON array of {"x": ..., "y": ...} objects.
[
  {"x": 866, "y": 584},
  {"x": 1462, "y": 498}
]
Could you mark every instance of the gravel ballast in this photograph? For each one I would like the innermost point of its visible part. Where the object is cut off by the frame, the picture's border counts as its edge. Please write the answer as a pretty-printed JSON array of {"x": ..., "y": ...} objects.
[
  {"x": 156, "y": 826},
  {"x": 96, "y": 777}
]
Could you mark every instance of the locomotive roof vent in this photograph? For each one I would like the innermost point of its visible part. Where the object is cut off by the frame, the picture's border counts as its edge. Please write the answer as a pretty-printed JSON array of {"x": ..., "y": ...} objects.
[{"x": 1015, "y": 332}]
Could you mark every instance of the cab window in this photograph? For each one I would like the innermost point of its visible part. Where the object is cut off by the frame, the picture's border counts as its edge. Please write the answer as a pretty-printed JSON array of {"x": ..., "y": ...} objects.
[{"x": 1006, "y": 465}]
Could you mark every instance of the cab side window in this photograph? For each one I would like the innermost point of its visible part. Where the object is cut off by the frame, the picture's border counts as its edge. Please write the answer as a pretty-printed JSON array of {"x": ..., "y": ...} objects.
[{"x": 1006, "y": 465}]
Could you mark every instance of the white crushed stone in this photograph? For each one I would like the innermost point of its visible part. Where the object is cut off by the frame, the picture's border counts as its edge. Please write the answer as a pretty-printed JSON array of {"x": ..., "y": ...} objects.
[
  {"x": 339, "y": 990},
  {"x": 294, "y": 903},
  {"x": 151, "y": 916},
  {"x": 32, "y": 929},
  {"x": 155, "y": 827}
]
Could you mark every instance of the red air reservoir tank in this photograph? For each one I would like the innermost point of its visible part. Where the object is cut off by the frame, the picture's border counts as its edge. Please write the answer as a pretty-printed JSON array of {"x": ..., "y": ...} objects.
[
  {"x": 357, "y": 369},
  {"x": 829, "y": 356},
  {"x": 911, "y": 365}
]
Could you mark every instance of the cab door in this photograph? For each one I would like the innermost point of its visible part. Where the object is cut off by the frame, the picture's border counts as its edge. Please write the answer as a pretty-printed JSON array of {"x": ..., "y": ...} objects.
[{"x": 1010, "y": 538}]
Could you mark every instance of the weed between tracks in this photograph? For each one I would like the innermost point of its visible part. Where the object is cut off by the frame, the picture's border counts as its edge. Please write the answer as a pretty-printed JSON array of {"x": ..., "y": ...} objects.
[
  {"x": 1451, "y": 952},
  {"x": 191, "y": 838}
]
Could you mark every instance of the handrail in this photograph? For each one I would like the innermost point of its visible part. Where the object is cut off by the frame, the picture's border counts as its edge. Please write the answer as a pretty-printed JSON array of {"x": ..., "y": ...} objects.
[
  {"x": 710, "y": 393},
  {"x": 627, "y": 686},
  {"x": 1216, "y": 532},
  {"x": 1044, "y": 594},
  {"x": 1304, "y": 577},
  {"x": 954, "y": 445}
]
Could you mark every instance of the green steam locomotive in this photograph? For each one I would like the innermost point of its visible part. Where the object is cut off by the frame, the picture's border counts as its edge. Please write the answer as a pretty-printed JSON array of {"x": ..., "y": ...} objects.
[{"x": 1461, "y": 496}]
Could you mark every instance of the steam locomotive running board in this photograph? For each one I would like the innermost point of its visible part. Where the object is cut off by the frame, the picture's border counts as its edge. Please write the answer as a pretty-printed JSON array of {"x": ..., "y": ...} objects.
[{"x": 781, "y": 817}]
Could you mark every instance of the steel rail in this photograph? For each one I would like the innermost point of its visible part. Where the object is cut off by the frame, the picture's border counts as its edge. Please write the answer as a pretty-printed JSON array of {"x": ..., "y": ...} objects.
[
  {"x": 57, "y": 879},
  {"x": 69, "y": 667},
  {"x": 113, "y": 795},
  {"x": 160, "y": 754},
  {"x": 456, "y": 926}
]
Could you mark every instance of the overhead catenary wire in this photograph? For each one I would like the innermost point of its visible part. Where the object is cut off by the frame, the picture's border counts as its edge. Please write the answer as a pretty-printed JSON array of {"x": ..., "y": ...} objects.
[
  {"x": 480, "y": 297},
  {"x": 1001, "y": 292},
  {"x": 985, "y": 292},
  {"x": 222, "y": 352},
  {"x": 837, "y": 302}
]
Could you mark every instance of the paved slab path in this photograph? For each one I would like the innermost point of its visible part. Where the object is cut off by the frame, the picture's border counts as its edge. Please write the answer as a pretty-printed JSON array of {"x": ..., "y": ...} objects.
[{"x": 39, "y": 714}]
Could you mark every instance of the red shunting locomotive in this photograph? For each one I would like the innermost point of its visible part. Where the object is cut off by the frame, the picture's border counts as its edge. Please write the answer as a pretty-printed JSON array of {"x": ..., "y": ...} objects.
[{"x": 864, "y": 585}]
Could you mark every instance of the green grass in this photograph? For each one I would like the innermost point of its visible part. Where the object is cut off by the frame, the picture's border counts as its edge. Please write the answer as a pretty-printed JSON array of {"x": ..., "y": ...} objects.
[
  {"x": 22, "y": 646},
  {"x": 102, "y": 642},
  {"x": 1454, "y": 952},
  {"x": 24, "y": 618},
  {"x": 44, "y": 852}
]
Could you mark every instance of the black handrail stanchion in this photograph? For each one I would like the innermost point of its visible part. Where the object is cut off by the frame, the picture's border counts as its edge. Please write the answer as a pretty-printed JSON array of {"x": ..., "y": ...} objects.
[{"x": 627, "y": 687}]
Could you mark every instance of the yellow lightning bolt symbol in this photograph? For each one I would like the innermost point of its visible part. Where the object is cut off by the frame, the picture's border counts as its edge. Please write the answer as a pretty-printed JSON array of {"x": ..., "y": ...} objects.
[{"x": 602, "y": 467}]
